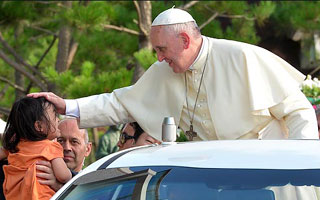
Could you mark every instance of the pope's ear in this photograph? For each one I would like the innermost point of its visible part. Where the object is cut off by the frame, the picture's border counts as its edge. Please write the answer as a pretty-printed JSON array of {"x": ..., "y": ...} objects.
[
  {"x": 37, "y": 126},
  {"x": 185, "y": 39}
]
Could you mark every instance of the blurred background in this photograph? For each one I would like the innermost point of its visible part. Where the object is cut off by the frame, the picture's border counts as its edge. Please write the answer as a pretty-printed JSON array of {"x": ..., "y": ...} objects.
[{"x": 81, "y": 48}]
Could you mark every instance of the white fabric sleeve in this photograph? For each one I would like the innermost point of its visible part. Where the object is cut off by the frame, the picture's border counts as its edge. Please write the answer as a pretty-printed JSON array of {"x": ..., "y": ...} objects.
[
  {"x": 299, "y": 116},
  {"x": 102, "y": 110},
  {"x": 72, "y": 108}
]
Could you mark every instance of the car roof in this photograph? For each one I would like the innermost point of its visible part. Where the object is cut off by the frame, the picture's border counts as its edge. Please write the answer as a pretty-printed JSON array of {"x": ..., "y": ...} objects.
[
  {"x": 221, "y": 154},
  {"x": 242, "y": 154}
]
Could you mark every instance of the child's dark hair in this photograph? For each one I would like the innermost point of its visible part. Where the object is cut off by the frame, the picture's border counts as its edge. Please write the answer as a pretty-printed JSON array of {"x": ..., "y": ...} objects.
[{"x": 21, "y": 122}]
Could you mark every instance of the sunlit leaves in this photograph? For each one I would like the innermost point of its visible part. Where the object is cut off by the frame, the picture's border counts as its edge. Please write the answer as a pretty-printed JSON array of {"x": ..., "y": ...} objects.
[
  {"x": 145, "y": 57},
  {"x": 263, "y": 10}
]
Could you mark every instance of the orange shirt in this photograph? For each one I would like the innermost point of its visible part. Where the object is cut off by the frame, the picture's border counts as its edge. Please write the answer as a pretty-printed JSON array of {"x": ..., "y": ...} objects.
[{"x": 20, "y": 175}]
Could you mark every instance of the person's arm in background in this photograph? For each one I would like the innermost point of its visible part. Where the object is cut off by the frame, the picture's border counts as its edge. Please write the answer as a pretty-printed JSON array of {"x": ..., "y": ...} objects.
[
  {"x": 298, "y": 115},
  {"x": 102, "y": 147}
]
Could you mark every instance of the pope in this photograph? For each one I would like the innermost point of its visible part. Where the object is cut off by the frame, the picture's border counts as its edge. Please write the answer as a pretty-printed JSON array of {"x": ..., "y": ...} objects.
[{"x": 214, "y": 89}]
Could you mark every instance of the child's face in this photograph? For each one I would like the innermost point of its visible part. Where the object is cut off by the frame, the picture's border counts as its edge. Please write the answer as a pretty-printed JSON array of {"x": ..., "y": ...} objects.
[{"x": 53, "y": 132}]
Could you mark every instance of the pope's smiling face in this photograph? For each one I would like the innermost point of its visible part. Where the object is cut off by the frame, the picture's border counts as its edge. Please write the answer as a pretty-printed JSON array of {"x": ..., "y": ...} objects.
[{"x": 170, "y": 48}]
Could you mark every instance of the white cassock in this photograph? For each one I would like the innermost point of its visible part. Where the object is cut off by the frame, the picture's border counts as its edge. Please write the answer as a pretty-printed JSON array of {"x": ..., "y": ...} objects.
[{"x": 247, "y": 92}]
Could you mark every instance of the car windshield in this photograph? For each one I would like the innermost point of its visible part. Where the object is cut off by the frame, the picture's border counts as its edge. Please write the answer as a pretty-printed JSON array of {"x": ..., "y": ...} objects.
[{"x": 172, "y": 183}]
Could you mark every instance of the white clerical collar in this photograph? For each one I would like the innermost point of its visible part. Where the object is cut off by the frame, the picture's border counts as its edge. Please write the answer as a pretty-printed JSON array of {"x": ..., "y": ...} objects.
[{"x": 199, "y": 55}]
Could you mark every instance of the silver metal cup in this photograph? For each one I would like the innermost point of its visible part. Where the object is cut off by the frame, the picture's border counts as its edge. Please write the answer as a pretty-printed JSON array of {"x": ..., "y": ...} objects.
[{"x": 169, "y": 130}]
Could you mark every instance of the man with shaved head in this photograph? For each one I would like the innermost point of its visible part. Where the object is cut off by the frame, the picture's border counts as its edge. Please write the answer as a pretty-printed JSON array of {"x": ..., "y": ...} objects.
[{"x": 75, "y": 143}]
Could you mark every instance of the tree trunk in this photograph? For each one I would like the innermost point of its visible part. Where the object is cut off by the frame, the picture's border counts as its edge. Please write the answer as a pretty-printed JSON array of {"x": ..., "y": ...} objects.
[
  {"x": 144, "y": 10},
  {"x": 19, "y": 80},
  {"x": 95, "y": 137},
  {"x": 64, "y": 44},
  {"x": 72, "y": 51},
  {"x": 63, "y": 49}
]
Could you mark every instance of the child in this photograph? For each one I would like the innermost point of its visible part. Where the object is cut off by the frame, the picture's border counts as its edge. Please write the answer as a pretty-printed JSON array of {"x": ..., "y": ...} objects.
[{"x": 31, "y": 126}]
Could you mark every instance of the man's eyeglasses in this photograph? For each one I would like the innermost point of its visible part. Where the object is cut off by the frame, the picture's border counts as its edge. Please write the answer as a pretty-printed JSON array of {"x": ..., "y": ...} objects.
[{"x": 124, "y": 137}]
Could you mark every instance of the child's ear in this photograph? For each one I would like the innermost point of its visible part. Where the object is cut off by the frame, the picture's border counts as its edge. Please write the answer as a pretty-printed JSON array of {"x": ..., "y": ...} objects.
[{"x": 37, "y": 126}]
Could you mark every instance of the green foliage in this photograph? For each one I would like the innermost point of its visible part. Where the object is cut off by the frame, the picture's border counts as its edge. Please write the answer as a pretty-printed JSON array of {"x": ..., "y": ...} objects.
[
  {"x": 245, "y": 31},
  {"x": 88, "y": 82},
  {"x": 145, "y": 57},
  {"x": 8, "y": 98},
  {"x": 115, "y": 79},
  {"x": 182, "y": 137},
  {"x": 86, "y": 17},
  {"x": 109, "y": 50},
  {"x": 312, "y": 92},
  {"x": 233, "y": 7},
  {"x": 87, "y": 69},
  {"x": 124, "y": 15},
  {"x": 263, "y": 10},
  {"x": 15, "y": 10},
  {"x": 311, "y": 87},
  {"x": 214, "y": 30},
  {"x": 51, "y": 74},
  {"x": 303, "y": 15}
]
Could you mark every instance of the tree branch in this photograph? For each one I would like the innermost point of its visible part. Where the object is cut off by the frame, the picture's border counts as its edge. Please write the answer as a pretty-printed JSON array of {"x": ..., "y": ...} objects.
[
  {"x": 4, "y": 111},
  {"x": 216, "y": 14},
  {"x": 72, "y": 52},
  {"x": 22, "y": 70},
  {"x": 46, "y": 51},
  {"x": 142, "y": 29},
  {"x": 43, "y": 30},
  {"x": 45, "y": 2},
  {"x": 237, "y": 16},
  {"x": 230, "y": 16},
  {"x": 138, "y": 9},
  {"x": 18, "y": 87},
  {"x": 188, "y": 5},
  {"x": 122, "y": 29},
  {"x": 42, "y": 22},
  {"x": 40, "y": 60},
  {"x": 209, "y": 20},
  {"x": 34, "y": 38},
  {"x": 3, "y": 91},
  {"x": 18, "y": 57}
]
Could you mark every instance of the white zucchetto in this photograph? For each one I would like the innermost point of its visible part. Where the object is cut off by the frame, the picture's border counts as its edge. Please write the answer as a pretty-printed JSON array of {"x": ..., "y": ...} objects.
[{"x": 172, "y": 16}]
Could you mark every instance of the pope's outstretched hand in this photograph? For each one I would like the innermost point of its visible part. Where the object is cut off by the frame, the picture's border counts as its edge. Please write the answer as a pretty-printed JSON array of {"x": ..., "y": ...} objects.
[{"x": 57, "y": 101}]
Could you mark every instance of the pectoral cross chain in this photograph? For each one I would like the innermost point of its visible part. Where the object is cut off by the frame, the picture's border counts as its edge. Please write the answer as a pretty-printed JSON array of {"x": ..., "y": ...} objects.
[{"x": 191, "y": 134}]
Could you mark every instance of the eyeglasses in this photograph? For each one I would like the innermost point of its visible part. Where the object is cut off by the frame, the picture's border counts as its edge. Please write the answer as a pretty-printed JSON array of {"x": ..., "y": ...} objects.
[{"x": 124, "y": 137}]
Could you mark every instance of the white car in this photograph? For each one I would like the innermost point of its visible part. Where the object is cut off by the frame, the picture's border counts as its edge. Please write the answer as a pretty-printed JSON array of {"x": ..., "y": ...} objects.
[{"x": 215, "y": 170}]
